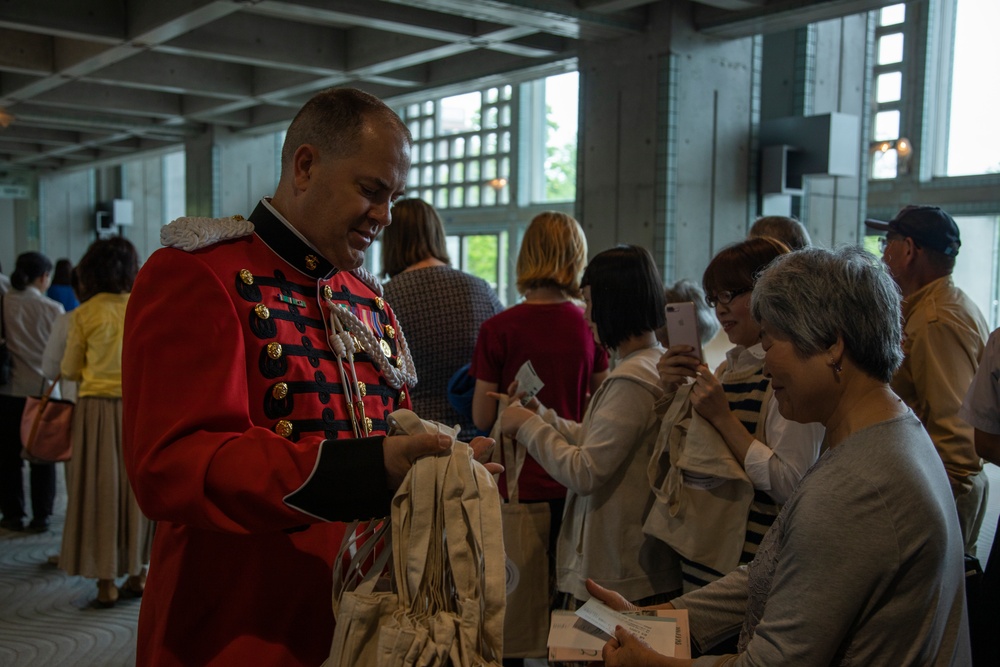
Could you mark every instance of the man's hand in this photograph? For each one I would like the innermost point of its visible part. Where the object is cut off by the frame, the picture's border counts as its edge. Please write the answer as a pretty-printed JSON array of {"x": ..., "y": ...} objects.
[
  {"x": 482, "y": 450},
  {"x": 400, "y": 451}
]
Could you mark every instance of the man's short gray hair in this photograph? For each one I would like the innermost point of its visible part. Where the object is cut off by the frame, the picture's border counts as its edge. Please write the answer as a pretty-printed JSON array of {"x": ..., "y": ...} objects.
[
  {"x": 814, "y": 295},
  {"x": 333, "y": 121}
]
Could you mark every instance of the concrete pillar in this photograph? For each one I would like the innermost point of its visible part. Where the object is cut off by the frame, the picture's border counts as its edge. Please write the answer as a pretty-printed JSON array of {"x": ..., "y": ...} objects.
[{"x": 667, "y": 119}]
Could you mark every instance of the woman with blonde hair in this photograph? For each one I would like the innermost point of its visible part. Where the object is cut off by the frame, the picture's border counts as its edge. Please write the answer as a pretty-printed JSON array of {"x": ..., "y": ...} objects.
[{"x": 549, "y": 330}]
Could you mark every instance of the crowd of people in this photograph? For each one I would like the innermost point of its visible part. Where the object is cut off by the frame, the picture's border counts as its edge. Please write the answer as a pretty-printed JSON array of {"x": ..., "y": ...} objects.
[
  {"x": 70, "y": 332},
  {"x": 811, "y": 499}
]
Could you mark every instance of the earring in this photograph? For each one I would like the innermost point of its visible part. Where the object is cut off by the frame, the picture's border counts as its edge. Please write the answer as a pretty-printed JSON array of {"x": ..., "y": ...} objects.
[{"x": 837, "y": 368}]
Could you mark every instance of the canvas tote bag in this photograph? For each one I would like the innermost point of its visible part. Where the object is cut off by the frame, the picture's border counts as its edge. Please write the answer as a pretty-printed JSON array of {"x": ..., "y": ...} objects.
[
  {"x": 526, "y": 538},
  {"x": 706, "y": 525},
  {"x": 445, "y": 602},
  {"x": 46, "y": 428}
]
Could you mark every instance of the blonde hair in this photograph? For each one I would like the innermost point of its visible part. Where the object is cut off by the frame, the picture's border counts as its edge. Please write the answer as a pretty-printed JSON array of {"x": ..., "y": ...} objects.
[{"x": 553, "y": 254}]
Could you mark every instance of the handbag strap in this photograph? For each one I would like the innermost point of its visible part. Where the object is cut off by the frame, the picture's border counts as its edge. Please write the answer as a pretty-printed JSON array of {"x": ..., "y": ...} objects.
[
  {"x": 513, "y": 455},
  {"x": 475, "y": 546},
  {"x": 353, "y": 576},
  {"x": 36, "y": 422}
]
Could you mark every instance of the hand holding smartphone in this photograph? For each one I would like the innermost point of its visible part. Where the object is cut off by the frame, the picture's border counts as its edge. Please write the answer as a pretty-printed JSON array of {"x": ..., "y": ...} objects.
[{"x": 682, "y": 326}]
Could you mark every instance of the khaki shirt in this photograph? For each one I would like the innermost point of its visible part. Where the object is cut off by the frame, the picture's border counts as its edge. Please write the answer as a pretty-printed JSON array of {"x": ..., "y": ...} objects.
[{"x": 944, "y": 335}]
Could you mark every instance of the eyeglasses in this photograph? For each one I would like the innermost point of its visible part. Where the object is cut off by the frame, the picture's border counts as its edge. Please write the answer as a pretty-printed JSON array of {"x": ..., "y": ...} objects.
[
  {"x": 884, "y": 241},
  {"x": 726, "y": 297}
]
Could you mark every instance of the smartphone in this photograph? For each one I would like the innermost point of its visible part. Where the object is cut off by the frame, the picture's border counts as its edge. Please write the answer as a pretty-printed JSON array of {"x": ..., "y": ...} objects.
[{"x": 682, "y": 326}]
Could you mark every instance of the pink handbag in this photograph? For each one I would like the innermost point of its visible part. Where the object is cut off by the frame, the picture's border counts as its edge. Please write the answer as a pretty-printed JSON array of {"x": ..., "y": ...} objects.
[{"x": 46, "y": 428}]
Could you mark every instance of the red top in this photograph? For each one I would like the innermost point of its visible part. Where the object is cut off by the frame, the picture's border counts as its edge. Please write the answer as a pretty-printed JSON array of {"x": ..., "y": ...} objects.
[
  {"x": 556, "y": 339},
  {"x": 224, "y": 446}
]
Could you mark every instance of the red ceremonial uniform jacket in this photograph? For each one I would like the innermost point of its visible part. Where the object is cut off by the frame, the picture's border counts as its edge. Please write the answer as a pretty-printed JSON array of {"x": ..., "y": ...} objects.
[{"x": 239, "y": 444}]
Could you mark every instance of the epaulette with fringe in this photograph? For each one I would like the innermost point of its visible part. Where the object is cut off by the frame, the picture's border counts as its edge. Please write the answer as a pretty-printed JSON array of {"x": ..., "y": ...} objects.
[{"x": 190, "y": 234}]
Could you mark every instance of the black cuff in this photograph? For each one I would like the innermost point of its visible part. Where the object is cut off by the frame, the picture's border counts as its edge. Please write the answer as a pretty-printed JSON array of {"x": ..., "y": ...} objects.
[{"x": 347, "y": 484}]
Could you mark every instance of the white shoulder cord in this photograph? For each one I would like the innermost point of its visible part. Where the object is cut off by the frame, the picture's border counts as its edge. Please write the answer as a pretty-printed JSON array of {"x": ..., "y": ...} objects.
[
  {"x": 343, "y": 346},
  {"x": 342, "y": 318}
]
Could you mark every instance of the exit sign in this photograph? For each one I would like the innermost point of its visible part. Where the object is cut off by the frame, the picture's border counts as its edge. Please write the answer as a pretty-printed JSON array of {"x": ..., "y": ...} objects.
[{"x": 14, "y": 191}]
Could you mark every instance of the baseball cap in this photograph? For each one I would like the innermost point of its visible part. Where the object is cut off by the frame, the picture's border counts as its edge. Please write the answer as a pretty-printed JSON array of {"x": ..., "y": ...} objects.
[{"x": 929, "y": 226}]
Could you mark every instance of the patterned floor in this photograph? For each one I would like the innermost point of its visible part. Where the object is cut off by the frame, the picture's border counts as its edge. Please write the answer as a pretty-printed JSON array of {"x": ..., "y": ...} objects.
[
  {"x": 46, "y": 620},
  {"x": 45, "y": 617}
]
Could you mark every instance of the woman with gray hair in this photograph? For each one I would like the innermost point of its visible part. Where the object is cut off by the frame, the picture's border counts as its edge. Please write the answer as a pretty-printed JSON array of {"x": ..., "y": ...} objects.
[
  {"x": 714, "y": 342},
  {"x": 864, "y": 563}
]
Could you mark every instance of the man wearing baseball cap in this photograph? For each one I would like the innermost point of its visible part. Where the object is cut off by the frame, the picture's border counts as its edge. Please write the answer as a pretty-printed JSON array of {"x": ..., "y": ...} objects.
[{"x": 944, "y": 335}]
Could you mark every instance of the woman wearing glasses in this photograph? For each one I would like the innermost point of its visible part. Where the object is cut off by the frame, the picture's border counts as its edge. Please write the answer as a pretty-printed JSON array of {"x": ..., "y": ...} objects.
[{"x": 715, "y": 515}]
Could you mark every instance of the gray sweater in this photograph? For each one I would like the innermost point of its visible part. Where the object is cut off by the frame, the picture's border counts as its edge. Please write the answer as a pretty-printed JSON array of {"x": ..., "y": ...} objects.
[{"x": 863, "y": 566}]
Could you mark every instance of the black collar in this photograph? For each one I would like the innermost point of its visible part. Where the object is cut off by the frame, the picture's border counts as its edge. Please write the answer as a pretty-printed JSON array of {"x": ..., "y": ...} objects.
[{"x": 283, "y": 241}]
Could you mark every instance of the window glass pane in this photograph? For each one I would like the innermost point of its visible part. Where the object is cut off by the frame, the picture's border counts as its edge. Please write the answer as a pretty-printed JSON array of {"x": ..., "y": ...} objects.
[
  {"x": 481, "y": 257},
  {"x": 491, "y": 95},
  {"x": 886, "y": 125},
  {"x": 414, "y": 178},
  {"x": 457, "y": 198},
  {"x": 561, "y": 95},
  {"x": 428, "y": 130},
  {"x": 892, "y": 15},
  {"x": 489, "y": 169},
  {"x": 442, "y": 150},
  {"x": 505, "y": 142},
  {"x": 506, "y": 92},
  {"x": 977, "y": 263},
  {"x": 489, "y": 196},
  {"x": 428, "y": 196},
  {"x": 473, "y": 170},
  {"x": 974, "y": 133},
  {"x": 174, "y": 186},
  {"x": 492, "y": 117},
  {"x": 884, "y": 164},
  {"x": 428, "y": 178},
  {"x": 442, "y": 198},
  {"x": 888, "y": 87},
  {"x": 890, "y": 48},
  {"x": 458, "y": 172},
  {"x": 454, "y": 246},
  {"x": 413, "y": 110},
  {"x": 415, "y": 130},
  {"x": 473, "y": 194},
  {"x": 458, "y": 147},
  {"x": 429, "y": 108},
  {"x": 474, "y": 141},
  {"x": 491, "y": 143},
  {"x": 460, "y": 113},
  {"x": 442, "y": 177},
  {"x": 505, "y": 167},
  {"x": 428, "y": 152},
  {"x": 505, "y": 115}
]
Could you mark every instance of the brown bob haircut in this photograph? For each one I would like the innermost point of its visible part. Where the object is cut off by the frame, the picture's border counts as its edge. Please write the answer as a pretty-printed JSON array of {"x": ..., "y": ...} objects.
[
  {"x": 553, "y": 254},
  {"x": 415, "y": 234},
  {"x": 736, "y": 266}
]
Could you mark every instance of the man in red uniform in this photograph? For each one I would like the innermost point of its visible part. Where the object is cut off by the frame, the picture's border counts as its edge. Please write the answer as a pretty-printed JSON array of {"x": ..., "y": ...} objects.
[{"x": 248, "y": 433}]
